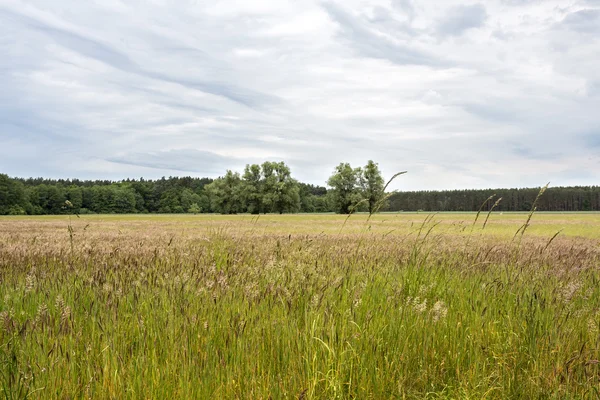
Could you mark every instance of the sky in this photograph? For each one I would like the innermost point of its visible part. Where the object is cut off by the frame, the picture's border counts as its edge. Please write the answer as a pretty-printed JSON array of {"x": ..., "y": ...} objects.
[{"x": 501, "y": 93}]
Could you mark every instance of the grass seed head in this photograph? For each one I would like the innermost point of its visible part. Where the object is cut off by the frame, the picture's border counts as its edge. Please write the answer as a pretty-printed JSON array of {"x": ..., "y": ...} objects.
[{"x": 439, "y": 311}]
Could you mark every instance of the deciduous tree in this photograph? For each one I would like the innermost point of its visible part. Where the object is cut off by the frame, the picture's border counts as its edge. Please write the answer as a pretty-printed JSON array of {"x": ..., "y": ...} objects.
[
  {"x": 225, "y": 193},
  {"x": 281, "y": 193},
  {"x": 345, "y": 189},
  {"x": 372, "y": 186}
]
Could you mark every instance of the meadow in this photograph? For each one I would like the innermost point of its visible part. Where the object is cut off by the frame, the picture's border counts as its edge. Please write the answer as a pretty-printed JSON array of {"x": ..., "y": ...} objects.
[{"x": 393, "y": 306}]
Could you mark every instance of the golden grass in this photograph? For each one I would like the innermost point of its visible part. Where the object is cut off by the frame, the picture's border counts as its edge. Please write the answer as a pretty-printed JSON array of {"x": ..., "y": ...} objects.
[{"x": 293, "y": 307}]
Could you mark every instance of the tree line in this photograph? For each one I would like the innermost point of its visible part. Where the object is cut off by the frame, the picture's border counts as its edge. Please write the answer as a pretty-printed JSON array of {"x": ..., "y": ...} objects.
[
  {"x": 268, "y": 188},
  {"x": 265, "y": 188},
  {"x": 575, "y": 198}
]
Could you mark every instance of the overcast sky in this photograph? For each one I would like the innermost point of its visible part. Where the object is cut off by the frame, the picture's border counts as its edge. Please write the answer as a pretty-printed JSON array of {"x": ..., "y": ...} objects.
[{"x": 501, "y": 93}]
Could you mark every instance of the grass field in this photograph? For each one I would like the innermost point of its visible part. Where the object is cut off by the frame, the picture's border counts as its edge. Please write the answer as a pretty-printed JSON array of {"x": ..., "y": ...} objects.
[{"x": 402, "y": 305}]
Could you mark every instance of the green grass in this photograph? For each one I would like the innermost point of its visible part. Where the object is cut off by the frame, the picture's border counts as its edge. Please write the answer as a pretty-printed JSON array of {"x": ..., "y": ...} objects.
[
  {"x": 300, "y": 307},
  {"x": 544, "y": 224}
]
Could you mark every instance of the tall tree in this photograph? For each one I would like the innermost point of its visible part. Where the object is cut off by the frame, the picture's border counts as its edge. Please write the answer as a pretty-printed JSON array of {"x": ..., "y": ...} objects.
[
  {"x": 225, "y": 193},
  {"x": 12, "y": 196},
  {"x": 123, "y": 200},
  {"x": 345, "y": 193},
  {"x": 252, "y": 189},
  {"x": 55, "y": 199},
  {"x": 188, "y": 198},
  {"x": 372, "y": 185},
  {"x": 281, "y": 193},
  {"x": 75, "y": 196}
]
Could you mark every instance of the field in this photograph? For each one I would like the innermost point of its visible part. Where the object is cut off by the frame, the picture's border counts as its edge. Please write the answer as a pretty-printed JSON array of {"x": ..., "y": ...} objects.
[{"x": 401, "y": 305}]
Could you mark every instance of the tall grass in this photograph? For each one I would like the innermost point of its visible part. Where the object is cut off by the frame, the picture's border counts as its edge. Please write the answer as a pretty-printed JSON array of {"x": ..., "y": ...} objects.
[{"x": 218, "y": 313}]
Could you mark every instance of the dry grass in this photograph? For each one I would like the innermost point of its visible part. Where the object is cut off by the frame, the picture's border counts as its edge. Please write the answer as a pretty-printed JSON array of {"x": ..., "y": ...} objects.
[{"x": 290, "y": 307}]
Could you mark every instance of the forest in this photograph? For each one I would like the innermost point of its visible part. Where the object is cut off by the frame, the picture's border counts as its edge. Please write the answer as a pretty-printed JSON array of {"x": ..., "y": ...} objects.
[
  {"x": 269, "y": 188},
  {"x": 574, "y": 198}
]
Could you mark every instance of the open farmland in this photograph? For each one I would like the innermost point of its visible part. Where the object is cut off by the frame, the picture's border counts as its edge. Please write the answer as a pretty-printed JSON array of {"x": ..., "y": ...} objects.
[{"x": 402, "y": 305}]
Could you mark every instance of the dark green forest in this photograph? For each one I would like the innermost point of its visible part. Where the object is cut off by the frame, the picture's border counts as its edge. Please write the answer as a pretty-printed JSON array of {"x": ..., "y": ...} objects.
[
  {"x": 574, "y": 198},
  {"x": 268, "y": 188}
]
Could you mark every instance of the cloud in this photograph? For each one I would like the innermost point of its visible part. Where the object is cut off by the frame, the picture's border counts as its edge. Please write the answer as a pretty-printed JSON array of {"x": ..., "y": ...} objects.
[
  {"x": 369, "y": 43},
  {"x": 188, "y": 160},
  {"x": 520, "y": 2},
  {"x": 593, "y": 88},
  {"x": 592, "y": 139},
  {"x": 495, "y": 112},
  {"x": 406, "y": 7},
  {"x": 108, "y": 90},
  {"x": 460, "y": 19},
  {"x": 99, "y": 51},
  {"x": 532, "y": 154},
  {"x": 584, "y": 21}
]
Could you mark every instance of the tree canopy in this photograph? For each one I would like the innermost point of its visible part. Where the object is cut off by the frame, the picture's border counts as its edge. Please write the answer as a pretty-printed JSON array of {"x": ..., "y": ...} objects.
[
  {"x": 372, "y": 186},
  {"x": 268, "y": 188},
  {"x": 345, "y": 188},
  {"x": 356, "y": 189}
]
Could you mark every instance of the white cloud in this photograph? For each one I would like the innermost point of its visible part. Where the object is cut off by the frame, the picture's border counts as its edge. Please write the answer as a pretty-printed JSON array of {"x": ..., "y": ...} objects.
[
  {"x": 501, "y": 93},
  {"x": 461, "y": 18}
]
